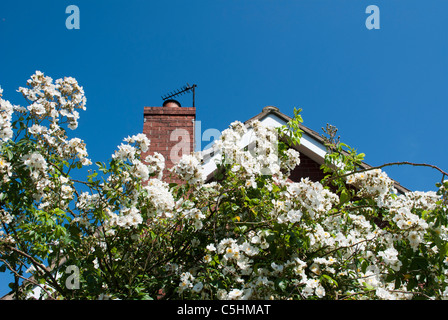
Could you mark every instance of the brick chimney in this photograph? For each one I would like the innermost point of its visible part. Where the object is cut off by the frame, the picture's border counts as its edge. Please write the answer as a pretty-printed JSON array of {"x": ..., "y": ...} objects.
[{"x": 171, "y": 131}]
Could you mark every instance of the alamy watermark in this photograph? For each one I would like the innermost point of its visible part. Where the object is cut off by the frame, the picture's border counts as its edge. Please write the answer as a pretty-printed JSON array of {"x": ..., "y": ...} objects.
[
  {"x": 73, "y": 20},
  {"x": 72, "y": 281},
  {"x": 373, "y": 20}
]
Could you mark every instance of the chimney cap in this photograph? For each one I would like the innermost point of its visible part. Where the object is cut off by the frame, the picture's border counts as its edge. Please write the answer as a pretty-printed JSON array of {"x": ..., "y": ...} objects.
[{"x": 171, "y": 103}]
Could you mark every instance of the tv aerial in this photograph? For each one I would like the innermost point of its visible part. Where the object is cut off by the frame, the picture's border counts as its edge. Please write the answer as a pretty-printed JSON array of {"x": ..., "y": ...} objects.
[{"x": 185, "y": 89}]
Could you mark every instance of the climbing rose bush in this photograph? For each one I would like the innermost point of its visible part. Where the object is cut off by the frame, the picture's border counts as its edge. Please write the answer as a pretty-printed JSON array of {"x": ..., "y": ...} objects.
[{"x": 249, "y": 233}]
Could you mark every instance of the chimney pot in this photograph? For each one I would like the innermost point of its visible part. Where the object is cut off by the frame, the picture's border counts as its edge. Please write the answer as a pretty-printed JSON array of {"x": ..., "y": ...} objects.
[{"x": 171, "y": 103}]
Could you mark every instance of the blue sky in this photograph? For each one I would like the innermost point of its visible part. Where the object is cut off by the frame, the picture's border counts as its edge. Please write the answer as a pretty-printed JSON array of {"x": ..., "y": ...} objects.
[{"x": 385, "y": 89}]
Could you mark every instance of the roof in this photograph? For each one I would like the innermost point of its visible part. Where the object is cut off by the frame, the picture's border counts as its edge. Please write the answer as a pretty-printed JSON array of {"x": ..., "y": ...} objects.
[{"x": 312, "y": 144}]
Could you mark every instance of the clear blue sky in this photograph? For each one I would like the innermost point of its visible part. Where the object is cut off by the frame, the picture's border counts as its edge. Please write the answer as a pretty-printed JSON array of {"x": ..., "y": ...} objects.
[{"x": 386, "y": 89}]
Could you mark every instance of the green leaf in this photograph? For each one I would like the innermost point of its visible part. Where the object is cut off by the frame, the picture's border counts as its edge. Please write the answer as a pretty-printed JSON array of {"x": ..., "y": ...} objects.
[
  {"x": 368, "y": 286},
  {"x": 412, "y": 283},
  {"x": 360, "y": 157},
  {"x": 397, "y": 281},
  {"x": 419, "y": 263},
  {"x": 364, "y": 266},
  {"x": 10, "y": 154},
  {"x": 330, "y": 280},
  {"x": 390, "y": 277},
  {"x": 93, "y": 175},
  {"x": 344, "y": 197},
  {"x": 282, "y": 284}
]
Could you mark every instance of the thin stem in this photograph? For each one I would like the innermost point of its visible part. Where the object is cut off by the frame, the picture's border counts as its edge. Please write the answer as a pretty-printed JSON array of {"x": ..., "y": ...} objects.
[
  {"x": 36, "y": 264},
  {"x": 390, "y": 164},
  {"x": 27, "y": 279}
]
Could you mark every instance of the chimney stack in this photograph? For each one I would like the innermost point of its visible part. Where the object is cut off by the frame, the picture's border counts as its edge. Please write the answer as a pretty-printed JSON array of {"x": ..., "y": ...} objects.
[{"x": 171, "y": 131}]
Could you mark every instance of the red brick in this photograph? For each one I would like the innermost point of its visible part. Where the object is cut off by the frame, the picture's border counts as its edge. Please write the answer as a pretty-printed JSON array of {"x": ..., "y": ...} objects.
[
  {"x": 307, "y": 168},
  {"x": 159, "y": 124}
]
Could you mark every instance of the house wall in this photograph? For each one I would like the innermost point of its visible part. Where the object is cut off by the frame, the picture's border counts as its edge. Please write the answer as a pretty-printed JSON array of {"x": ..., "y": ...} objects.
[{"x": 307, "y": 168}]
